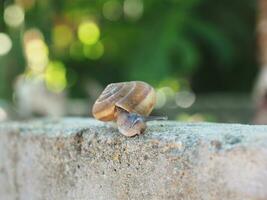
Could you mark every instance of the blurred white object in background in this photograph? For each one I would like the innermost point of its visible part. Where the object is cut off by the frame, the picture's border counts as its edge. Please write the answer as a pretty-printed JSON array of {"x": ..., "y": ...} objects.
[
  {"x": 260, "y": 98},
  {"x": 33, "y": 99},
  {"x": 3, "y": 114}
]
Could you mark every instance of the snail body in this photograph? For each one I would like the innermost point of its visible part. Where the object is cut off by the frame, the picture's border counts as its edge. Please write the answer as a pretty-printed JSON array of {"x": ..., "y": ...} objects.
[{"x": 127, "y": 103}]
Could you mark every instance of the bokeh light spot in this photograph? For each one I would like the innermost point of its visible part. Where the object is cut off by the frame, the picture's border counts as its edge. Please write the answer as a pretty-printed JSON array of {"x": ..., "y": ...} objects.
[
  {"x": 62, "y": 35},
  {"x": 32, "y": 34},
  {"x": 168, "y": 91},
  {"x": 133, "y": 9},
  {"x": 112, "y": 10},
  {"x": 55, "y": 76},
  {"x": 5, "y": 44},
  {"x": 37, "y": 54},
  {"x": 185, "y": 99},
  {"x": 161, "y": 99},
  {"x": 88, "y": 33},
  {"x": 94, "y": 51},
  {"x": 36, "y": 51},
  {"x": 14, "y": 15},
  {"x": 165, "y": 96}
]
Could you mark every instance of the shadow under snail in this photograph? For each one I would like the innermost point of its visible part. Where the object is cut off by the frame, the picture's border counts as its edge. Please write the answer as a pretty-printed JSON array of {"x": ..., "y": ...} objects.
[{"x": 127, "y": 103}]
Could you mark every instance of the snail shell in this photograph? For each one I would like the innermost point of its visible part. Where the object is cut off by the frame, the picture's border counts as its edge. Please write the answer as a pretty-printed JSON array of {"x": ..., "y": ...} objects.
[{"x": 133, "y": 97}]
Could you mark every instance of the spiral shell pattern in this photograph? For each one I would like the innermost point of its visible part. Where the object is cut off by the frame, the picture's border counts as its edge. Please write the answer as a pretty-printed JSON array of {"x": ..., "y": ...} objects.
[{"x": 135, "y": 96}]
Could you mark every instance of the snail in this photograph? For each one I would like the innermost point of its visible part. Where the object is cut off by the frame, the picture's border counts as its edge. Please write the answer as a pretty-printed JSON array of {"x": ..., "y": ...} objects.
[{"x": 127, "y": 103}]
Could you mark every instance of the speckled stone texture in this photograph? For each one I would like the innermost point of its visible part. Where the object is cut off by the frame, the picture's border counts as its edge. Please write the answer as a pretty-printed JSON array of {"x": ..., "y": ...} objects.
[{"x": 76, "y": 158}]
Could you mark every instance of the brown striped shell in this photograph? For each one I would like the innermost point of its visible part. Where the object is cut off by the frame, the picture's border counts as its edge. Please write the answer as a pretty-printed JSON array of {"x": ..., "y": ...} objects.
[{"x": 135, "y": 96}]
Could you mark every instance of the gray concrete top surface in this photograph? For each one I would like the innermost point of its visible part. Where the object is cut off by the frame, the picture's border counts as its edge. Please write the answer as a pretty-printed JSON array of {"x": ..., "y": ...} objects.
[
  {"x": 81, "y": 158},
  {"x": 164, "y": 130}
]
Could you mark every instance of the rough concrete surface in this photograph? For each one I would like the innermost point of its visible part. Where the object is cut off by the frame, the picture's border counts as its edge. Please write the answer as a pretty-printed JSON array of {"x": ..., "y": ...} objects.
[{"x": 77, "y": 158}]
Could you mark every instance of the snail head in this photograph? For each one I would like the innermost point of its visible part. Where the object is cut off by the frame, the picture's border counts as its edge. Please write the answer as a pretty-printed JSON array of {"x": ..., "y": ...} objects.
[{"x": 131, "y": 124}]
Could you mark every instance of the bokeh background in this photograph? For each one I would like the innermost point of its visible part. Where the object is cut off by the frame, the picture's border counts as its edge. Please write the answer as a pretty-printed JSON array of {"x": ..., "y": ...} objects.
[{"x": 200, "y": 55}]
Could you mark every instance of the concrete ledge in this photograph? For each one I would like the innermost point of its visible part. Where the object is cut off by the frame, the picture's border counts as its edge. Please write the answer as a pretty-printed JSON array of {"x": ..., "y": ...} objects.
[{"x": 85, "y": 159}]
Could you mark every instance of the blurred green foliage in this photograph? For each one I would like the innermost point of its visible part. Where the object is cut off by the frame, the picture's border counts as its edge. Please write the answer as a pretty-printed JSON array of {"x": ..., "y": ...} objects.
[{"x": 210, "y": 44}]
